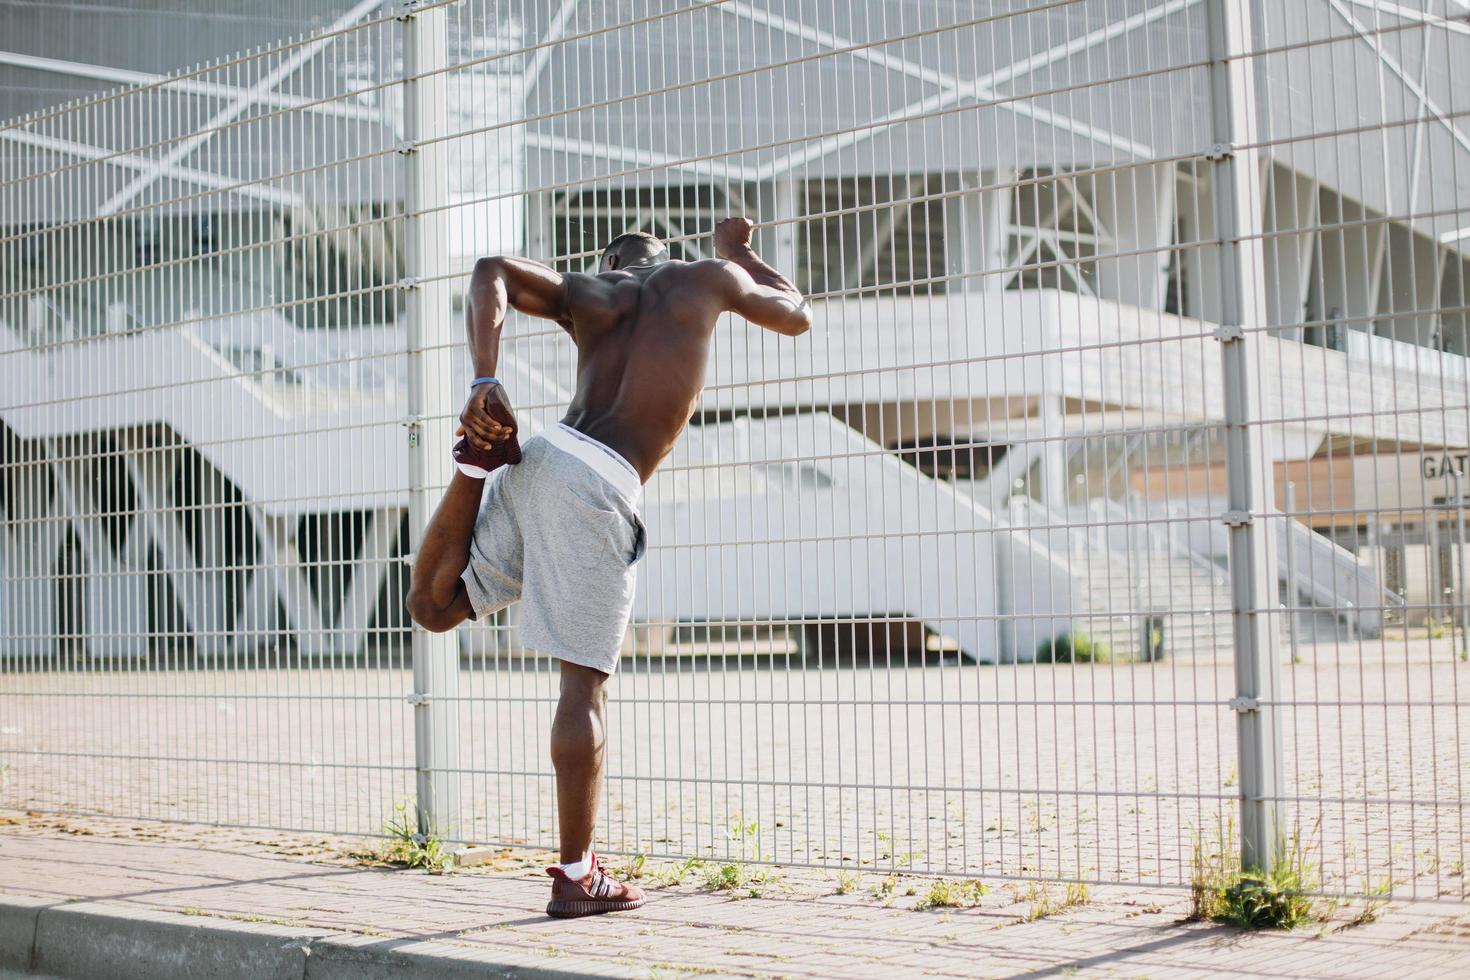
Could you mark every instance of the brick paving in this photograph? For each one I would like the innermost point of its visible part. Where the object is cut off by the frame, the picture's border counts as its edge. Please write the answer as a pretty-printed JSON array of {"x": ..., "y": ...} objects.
[
  {"x": 799, "y": 927},
  {"x": 1104, "y": 772}
]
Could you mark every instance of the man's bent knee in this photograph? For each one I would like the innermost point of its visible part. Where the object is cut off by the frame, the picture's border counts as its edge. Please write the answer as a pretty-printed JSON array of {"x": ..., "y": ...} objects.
[{"x": 422, "y": 609}]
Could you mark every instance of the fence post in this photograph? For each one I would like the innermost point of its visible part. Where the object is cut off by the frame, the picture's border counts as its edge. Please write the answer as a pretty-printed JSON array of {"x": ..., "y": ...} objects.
[
  {"x": 429, "y": 348},
  {"x": 1236, "y": 186}
]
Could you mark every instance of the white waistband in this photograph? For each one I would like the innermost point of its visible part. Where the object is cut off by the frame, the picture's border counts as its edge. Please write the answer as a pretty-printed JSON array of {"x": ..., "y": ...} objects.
[{"x": 605, "y": 462}]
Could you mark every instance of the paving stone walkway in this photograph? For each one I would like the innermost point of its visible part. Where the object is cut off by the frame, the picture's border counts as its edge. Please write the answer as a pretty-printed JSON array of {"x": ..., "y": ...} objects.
[{"x": 803, "y": 924}]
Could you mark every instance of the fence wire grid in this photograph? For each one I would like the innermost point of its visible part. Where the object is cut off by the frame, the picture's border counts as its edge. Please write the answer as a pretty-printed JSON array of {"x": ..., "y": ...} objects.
[{"x": 1110, "y": 512}]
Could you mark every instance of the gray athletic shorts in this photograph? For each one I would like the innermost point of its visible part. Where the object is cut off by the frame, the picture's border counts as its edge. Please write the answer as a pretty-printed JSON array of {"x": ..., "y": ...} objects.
[{"x": 561, "y": 530}]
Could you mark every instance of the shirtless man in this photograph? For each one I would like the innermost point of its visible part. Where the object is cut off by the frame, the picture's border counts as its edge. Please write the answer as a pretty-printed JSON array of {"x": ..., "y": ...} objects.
[{"x": 561, "y": 525}]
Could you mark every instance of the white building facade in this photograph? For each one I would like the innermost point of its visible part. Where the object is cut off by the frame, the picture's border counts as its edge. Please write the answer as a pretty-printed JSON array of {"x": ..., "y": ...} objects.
[{"x": 1004, "y": 428}]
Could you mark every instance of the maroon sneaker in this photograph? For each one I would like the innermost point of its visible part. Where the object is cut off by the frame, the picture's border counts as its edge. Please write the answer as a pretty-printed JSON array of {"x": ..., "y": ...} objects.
[
  {"x": 480, "y": 463},
  {"x": 592, "y": 895}
]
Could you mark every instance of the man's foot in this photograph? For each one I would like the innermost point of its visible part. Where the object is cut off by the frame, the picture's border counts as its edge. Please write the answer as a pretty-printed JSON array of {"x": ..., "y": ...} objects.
[
  {"x": 592, "y": 895},
  {"x": 480, "y": 463}
]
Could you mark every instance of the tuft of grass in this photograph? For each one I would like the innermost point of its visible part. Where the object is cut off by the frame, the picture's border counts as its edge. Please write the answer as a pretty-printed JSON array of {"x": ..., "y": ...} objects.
[
  {"x": 731, "y": 876},
  {"x": 885, "y": 887},
  {"x": 949, "y": 893},
  {"x": 1213, "y": 870},
  {"x": 848, "y": 882},
  {"x": 1267, "y": 901},
  {"x": 409, "y": 848},
  {"x": 659, "y": 971},
  {"x": 633, "y": 870},
  {"x": 1044, "y": 904},
  {"x": 1375, "y": 897},
  {"x": 724, "y": 877},
  {"x": 1248, "y": 898},
  {"x": 675, "y": 874},
  {"x": 746, "y": 835}
]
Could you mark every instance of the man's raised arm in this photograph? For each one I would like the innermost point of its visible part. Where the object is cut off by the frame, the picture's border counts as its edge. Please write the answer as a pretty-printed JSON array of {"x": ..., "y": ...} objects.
[
  {"x": 497, "y": 285},
  {"x": 758, "y": 292},
  {"x": 504, "y": 282}
]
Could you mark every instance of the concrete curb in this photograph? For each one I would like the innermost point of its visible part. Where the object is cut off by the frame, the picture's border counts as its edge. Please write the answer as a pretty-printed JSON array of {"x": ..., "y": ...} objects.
[{"x": 83, "y": 940}]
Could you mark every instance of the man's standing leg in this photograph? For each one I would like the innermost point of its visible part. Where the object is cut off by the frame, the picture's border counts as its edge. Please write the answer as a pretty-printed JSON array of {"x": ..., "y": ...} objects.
[
  {"x": 578, "y": 744},
  {"x": 578, "y": 747}
]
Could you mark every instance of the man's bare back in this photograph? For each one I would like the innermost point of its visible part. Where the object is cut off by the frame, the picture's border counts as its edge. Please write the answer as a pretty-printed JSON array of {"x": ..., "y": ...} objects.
[
  {"x": 642, "y": 326},
  {"x": 562, "y": 532}
]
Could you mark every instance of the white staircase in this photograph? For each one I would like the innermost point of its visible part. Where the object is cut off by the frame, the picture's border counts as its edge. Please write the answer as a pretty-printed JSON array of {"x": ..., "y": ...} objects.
[{"x": 1125, "y": 589}]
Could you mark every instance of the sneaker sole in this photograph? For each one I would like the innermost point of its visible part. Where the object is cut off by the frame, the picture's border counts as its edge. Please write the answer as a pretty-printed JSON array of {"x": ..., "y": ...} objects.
[{"x": 576, "y": 910}]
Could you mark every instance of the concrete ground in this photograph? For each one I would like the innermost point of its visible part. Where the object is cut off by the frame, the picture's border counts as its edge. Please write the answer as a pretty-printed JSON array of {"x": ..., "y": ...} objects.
[{"x": 136, "y": 899}]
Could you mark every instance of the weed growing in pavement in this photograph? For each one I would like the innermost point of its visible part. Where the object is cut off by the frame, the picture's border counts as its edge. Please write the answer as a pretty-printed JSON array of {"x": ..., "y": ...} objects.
[
  {"x": 724, "y": 877},
  {"x": 948, "y": 893},
  {"x": 848, "y": 882},
  {"x": 1044, "y": 904},
  {"x": 674, "y": 874},
  {"x": 1039, "y": 895},
  {"x": 747, "y": 838},
  {"x": 633, "y": 870},
  {"x": 1375, "y": 897},
  {"x": 1223, "y": 891},
  {"x": 409, "y": 848},
  {"x": 658, "y": 971},
  {"x": 885, "y": 887},
  {"x": 732, "y": 876},
  {"x": 1213, "y": 870}
]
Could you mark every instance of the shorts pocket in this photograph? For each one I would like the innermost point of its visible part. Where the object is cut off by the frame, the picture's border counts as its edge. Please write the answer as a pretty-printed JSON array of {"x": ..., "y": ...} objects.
[
  {"x": 640, "y": 540},
  {"x": 620, "y": 533}
]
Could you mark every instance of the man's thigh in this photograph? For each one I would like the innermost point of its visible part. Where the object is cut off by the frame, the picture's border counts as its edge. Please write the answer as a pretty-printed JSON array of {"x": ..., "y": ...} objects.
[{"x": 495, "y": 574}]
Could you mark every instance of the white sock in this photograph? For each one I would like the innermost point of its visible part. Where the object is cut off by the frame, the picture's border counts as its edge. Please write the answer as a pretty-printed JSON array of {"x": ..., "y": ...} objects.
[{"x": 577, "y": 870}]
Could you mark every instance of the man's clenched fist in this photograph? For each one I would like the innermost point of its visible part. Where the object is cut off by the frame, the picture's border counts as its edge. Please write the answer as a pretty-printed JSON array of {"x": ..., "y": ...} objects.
[{"x": 732, "y": 237}]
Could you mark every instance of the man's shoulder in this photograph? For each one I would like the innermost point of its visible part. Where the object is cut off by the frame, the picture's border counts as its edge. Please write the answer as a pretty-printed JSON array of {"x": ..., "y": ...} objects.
[{"x": 707, "y": 272}]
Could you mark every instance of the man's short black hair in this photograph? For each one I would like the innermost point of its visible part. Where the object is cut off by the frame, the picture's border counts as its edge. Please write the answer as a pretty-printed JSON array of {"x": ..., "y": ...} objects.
[{"x": 651, "y": 242}]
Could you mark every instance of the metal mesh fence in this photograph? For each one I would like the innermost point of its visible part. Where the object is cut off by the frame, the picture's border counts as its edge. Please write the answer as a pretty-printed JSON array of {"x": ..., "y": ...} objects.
[{"x": 1108, "y": 517}]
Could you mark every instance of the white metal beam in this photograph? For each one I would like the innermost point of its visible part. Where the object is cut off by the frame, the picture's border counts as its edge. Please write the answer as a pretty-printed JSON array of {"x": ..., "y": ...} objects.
[
  {"x": 828, "y": 40},
  {"x": 1392, "y": 65},
  {"x": 186, "y": 86},
  {"x": 554, "y": 31},
  {"x": 983, "y": 88},
  {"x": 132, "y": 162},
  {"x": 642, "y": 158},
  {"x": 247, "y": 98},
  {"x": 1418, "y": 16},
  {"x": 905, "y": 67},
  {"x": 1416, "y": 166}
]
